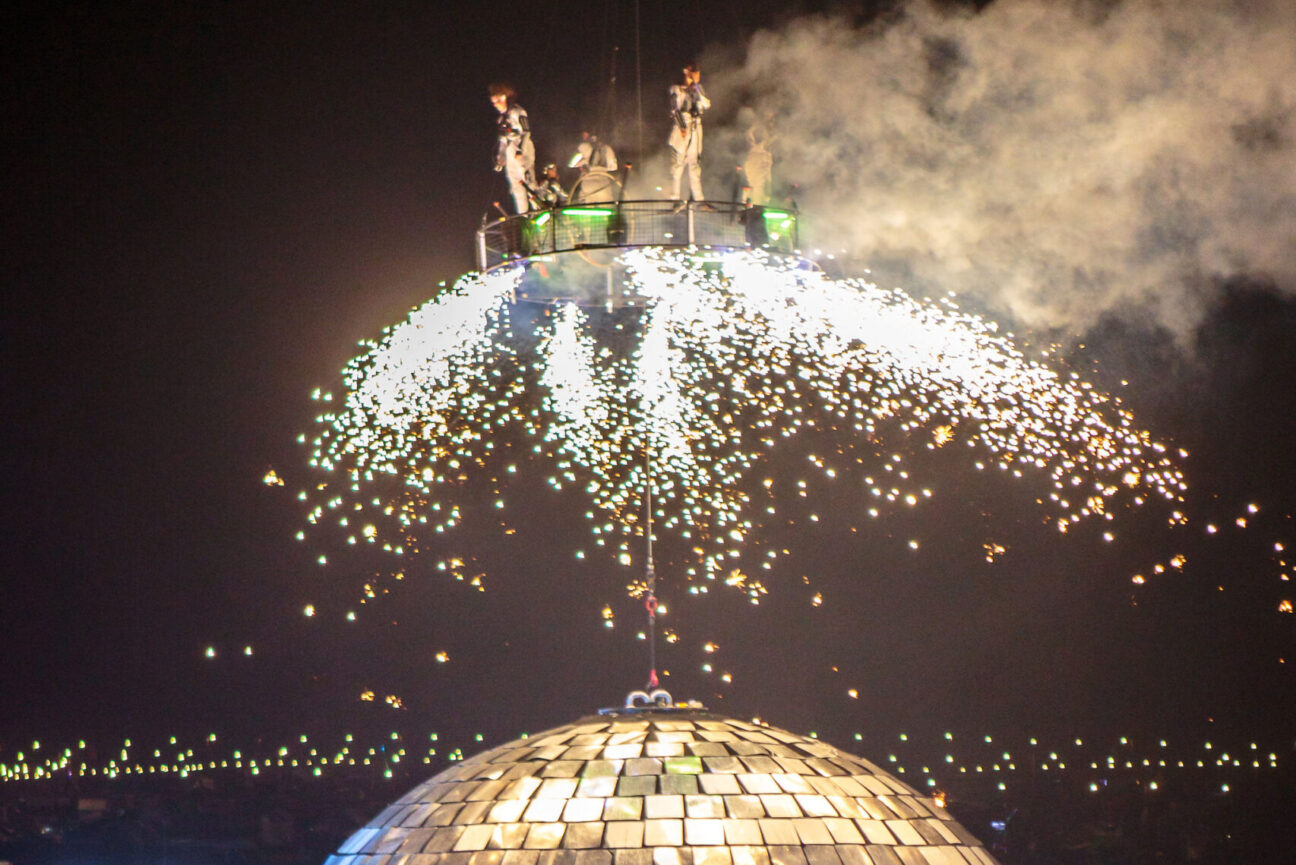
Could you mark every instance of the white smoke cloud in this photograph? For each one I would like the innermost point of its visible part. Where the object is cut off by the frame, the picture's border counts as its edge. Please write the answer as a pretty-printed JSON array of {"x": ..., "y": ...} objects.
[{"x": 1058, "y": 160}]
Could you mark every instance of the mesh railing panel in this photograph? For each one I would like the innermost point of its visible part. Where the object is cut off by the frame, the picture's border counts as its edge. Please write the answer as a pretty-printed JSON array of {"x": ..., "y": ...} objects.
[{"x": 635, "y": 223}]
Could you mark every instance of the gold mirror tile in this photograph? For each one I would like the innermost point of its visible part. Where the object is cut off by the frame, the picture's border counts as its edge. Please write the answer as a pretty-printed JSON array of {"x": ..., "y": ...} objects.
[
  {"x": 664, "y": 749},
  {"x": 843, "y": 831},
  {"x": 583, "y": 752},
  {"x": 824, "y": 786},
  {"x": 583, "y": 810},
  {"x": 643, "y": 765},
  {"x": 823, "y": 854},
  {"x": 509, "y": 836},
  {"x": 635, "y": 856},
  {"x": 702, "y": 806},
  {"x": 416, "y": 840},
  {"x": 852, "y": 854},
  {"x": 485, "y": 857},
  {"x": 443, "y": 816},
  {"x": 628, "y": 726},
  {"x": 487, "y": 790},
  {"x": 474, "y": 837},
  {"x": 443, "y": 840},
  {"x": 674, "y": 726},
  {"x": 876, "y": 809},
  {"x": 544, "y": 811},
  {"x": 815, "y": 806},
  {"x": 742, "y": 832},
  {"x": 544, "y": 836},
  {"x": 786, "y": 854},
  {"x": 593, "y": 857},
  {"x": 599, "y": 786},
  {"x": 663, "y": 807},
  {"x": 847, "y": 806},
  {"x": 670, "y": 856},
  {"x": 556, "y": 788},
  {"x": 521, "y": 770},
  {"x": 623, "y": 808},
  {"x": 744, "y": 807},
  {"x": 723, "y": 765},
  {"x": 683, "y": 765},
  {"x": 390, "y": 840},
  {"x": 663, "y": 833},
  {"x": 562, "y": 769},
  {"x": 712, "y": 856},
  {"x": 473, "y": 812},
  {"x": 876, "y": 832},
  {"x": 781, "y": 805},
  {"x": 703, "y": 832},
  {"x": 550, "y": 752},
  {"x": 642, "y": 785},
  {"x": 719, "y": 785},
  {"x": 602, "y": 768},
  {"x": 792, "y": 783},
  {"x": 750, "y": 855},
  {"x": 683, "y": 785},
  {"x": 507, "y": 811},
  {"x": 583, "y": 835},
  {"x": 520, "y": 857},
  {"x": 758, "y": 783},
  {"x": 778, "y": 831},
  {"x": 851, "y": 787},
  {"x": 883, "y": 855},
  {"x": 522, "y": 788},
  {"x": 811, "y": 830}
]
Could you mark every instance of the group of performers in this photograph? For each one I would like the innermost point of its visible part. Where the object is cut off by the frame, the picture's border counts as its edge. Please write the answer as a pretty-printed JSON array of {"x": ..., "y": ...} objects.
[{"x": 597, "y": 162}]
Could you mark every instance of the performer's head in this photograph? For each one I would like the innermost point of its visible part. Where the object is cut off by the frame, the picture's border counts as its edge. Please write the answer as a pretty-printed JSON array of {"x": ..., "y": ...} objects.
[
  {"x": 692, "y": 75},
  {"x": 502, "y": 96}
]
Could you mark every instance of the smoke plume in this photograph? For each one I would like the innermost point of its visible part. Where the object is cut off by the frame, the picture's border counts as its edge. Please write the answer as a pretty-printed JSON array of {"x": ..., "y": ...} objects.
[{"x": 1058, "y": 161}]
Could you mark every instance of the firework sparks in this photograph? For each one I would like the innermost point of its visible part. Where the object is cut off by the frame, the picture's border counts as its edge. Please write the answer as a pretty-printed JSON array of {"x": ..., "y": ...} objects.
[{"x": 730, "y": 355}]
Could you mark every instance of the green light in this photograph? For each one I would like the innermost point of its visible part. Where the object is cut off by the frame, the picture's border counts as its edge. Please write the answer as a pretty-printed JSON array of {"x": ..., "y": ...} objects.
[
  {"x": 777, "y": 214},
  {"x": 543, "y": 218},
  {"x": 587, "y": 211}
]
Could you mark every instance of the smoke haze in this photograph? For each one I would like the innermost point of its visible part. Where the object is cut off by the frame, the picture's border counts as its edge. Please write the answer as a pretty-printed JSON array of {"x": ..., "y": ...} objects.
[{"x": 1058, "y": 161}]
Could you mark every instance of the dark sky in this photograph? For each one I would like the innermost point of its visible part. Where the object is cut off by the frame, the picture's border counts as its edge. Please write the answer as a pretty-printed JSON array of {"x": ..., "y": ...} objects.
[{"x": 209, "y": 204}]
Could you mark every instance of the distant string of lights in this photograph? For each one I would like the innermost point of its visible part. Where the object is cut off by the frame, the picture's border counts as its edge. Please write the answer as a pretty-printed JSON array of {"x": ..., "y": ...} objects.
[{"x": 932, "y": 762}]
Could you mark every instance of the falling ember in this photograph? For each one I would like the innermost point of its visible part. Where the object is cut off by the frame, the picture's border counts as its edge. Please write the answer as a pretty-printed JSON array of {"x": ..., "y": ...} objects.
[{"x": 726, "y": 357}]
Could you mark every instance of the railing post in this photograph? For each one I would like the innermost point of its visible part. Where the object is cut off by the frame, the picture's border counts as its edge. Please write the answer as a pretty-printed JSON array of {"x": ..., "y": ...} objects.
[
  {"x": 691, "y": 240},
  {"x": 481, "y": 249}
]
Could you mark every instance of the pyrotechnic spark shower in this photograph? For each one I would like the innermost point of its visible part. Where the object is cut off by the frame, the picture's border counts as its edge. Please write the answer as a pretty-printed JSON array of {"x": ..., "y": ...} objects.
[{"x": 729, "y": 356}]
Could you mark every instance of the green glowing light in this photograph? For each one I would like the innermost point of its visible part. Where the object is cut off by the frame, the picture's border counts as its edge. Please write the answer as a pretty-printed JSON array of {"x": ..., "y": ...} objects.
[{"x": 587, "y": 211}]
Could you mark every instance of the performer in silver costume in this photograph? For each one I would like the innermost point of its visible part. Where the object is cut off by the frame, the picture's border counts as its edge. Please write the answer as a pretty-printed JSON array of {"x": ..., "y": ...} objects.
[
  {"x": 688, "y": 102},
  {"x": 514, "y": 153}
]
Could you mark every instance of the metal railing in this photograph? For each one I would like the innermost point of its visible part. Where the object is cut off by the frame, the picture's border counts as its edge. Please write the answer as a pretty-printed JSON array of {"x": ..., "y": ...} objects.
[{"x": 635, "y": 223}]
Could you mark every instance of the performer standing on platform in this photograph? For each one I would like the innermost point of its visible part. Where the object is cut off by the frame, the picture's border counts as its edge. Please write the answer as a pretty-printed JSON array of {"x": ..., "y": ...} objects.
[
  {"x": 688, "y": 103},
  {"x": 515, "y": 153}
]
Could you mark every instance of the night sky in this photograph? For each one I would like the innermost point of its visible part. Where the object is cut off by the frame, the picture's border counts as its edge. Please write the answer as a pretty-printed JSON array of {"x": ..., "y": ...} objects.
[{"x": 209, "y": 204}]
